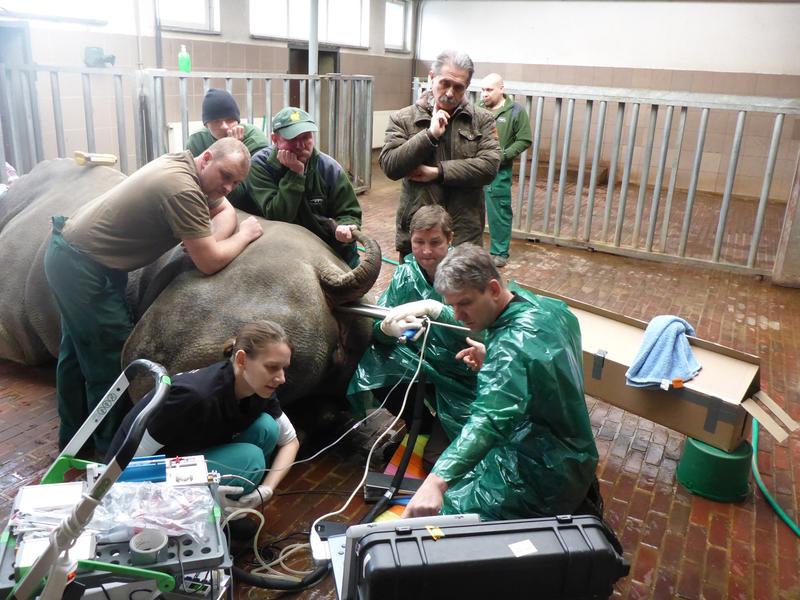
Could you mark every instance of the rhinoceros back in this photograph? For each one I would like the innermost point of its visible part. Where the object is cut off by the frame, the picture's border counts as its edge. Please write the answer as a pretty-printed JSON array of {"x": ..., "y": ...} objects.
[{"x": 29, "y": 324}]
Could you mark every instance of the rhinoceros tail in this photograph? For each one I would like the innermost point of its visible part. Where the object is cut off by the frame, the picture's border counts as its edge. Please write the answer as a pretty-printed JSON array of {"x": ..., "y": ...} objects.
[{"x": 348, "y": 286}]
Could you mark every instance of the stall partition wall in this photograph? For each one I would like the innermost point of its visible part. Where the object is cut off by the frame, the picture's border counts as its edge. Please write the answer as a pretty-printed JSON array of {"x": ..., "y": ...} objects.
[
  {"x": 49, "y": 112},
  {"x": 624, "y": 171}
]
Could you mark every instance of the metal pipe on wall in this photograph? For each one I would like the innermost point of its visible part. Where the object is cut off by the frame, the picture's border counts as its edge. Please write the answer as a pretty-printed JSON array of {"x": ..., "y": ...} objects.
[{"x": 313, "y": 59}]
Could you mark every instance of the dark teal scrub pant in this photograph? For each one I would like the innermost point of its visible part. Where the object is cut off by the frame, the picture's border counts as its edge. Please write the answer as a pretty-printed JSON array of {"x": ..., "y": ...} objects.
[
  {"x": 498, "y": 212},
  {"x": 247, "y": 456},
  {"x": 95, "y": 322}
]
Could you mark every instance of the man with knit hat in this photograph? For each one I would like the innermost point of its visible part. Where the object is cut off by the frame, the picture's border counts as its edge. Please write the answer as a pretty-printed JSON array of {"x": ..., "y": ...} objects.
[
  {"x": 294, "y": 182},
  {"x": 221, "y": 120}
]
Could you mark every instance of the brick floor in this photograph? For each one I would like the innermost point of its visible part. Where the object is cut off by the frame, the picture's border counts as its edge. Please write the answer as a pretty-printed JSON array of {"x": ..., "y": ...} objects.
[{"x": 680, "y": 546}]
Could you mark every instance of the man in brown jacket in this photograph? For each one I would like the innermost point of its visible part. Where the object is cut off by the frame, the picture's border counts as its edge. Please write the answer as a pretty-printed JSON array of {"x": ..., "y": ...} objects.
[{"x": 445, "y": 150}]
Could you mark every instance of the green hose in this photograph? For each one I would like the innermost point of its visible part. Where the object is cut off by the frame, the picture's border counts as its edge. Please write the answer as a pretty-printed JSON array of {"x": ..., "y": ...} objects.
[
  {"x": 754, "y": 462},
  {"x": 383, "y": 258}
]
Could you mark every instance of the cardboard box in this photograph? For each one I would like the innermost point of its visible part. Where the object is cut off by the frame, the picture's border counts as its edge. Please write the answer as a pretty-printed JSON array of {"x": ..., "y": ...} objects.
[{"x": 715, "y": 407}]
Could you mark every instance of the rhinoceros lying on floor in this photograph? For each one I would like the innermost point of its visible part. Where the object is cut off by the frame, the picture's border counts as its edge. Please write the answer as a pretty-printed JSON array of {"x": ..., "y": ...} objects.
[{"x": 183, "y": 317}]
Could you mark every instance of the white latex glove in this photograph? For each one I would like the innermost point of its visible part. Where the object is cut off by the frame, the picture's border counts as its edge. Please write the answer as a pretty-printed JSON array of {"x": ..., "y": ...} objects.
[
  {"x": 396, "y": 328},
  {"x": 420, "y": 308},
  {"x": 227, "y": 504},
  {"x": 257, "y": 497}
]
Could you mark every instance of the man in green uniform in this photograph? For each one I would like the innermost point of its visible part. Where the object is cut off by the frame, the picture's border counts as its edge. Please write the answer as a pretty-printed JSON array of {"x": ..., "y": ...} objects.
[
  {"x": 445, "y": 150},
  {"x": 175, "y": 198},
  {"x": 221, "y": 120},
  {"x": 294, "y": 182},
  {"x": 527, "y": 449},
  {"x": 450, "y": 384},
  {"x": 514, "y": 131}
]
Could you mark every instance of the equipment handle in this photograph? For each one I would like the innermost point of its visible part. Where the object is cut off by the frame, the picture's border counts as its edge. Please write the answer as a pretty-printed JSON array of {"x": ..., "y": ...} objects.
[{"x": 71, "y": 527}]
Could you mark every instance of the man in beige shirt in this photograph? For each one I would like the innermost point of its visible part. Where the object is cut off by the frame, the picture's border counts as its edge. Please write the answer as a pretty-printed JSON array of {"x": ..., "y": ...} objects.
[{"x": 177, "y": 198}]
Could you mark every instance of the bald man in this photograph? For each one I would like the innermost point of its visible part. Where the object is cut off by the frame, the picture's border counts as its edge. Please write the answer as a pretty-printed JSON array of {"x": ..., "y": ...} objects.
[{"x": 514, "y": 132}]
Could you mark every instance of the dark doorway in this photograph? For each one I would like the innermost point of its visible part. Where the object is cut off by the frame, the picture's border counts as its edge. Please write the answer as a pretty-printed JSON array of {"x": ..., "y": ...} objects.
[{"x": 328, "y": 62}]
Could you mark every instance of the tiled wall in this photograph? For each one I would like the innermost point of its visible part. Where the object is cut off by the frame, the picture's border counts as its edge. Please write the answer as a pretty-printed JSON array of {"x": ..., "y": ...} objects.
[{"x": 392, "y": 89}]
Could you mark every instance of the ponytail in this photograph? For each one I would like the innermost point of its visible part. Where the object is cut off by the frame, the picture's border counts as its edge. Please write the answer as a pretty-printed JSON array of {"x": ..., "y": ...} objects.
[{"x": 254, "y": 337}]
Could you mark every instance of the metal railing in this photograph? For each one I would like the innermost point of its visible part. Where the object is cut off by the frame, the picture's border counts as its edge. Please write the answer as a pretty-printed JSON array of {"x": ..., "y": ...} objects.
[
  {"x": 674, "y": 225},
  {"x": 129, "y": 112}
]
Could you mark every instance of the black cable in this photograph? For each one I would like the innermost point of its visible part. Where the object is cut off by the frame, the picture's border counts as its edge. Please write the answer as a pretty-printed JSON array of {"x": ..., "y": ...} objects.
[
  {"x": 130, "y": 596},
  {"x": 325, "y": 492},
  {"x": 288, "y": 535},
  {"x": 397, "y": 480},
  {"x": 105, "y": 591},
  {"x": 273, "y": 583}
]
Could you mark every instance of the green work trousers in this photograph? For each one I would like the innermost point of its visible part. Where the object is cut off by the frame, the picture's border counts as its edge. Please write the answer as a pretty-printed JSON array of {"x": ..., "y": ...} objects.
[
  {"x": 247, "y": 456},
  {"x": 95, "y": 322},
  {"x": 498, "y": 212}
]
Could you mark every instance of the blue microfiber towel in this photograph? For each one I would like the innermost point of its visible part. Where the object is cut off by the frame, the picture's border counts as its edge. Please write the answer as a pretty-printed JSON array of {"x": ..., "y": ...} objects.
[{"x": 665, "y": 353}]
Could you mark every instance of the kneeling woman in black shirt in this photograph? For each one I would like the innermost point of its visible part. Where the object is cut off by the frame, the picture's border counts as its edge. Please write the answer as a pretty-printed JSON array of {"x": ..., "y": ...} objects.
[{"x": 229, "y": 413}]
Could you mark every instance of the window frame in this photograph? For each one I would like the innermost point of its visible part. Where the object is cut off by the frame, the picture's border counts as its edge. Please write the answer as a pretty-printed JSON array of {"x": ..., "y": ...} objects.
[
  {"x": 406, "y": 47},
  {"x": 212, "y": 26},
  {"x": 364, "y": 35}
]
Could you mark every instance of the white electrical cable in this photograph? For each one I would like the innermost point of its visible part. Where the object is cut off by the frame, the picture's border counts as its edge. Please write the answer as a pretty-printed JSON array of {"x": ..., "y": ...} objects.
[
  {"x": 350, "y": 429},
  {"x": 289, "y": 550},
  {"x": 380, "y": 437},
  {"x": 234, "y": 476},
  {"x": 256, "y": 553}
]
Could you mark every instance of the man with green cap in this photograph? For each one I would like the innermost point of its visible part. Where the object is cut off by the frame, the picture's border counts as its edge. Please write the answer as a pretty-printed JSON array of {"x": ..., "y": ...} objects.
[
  {"x": 221, "y": 120},
  {"x": 514, "y": 132},
  {"x": 294, "y": 182}
]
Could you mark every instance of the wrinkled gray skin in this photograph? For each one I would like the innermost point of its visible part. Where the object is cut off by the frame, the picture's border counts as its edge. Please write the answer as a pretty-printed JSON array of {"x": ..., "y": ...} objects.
[
  {"x": 183, "y": 317},
  {"x": 29, "y": 324}
]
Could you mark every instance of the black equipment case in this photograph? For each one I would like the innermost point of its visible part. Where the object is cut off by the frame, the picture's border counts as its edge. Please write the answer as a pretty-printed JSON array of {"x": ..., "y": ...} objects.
[{"x": 560, "y": 558}]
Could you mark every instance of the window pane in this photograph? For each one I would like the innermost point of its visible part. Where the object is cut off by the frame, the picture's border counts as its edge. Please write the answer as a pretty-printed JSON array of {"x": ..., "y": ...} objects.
[
  {"x": 395, "y": 27},
  {"x": 187, "y": 13},
  {"x": 344, "y": 22},
  {"x": 120, "y": 15},
  {"x": 269, "y": 17},
  {"x": 299, "y": 16}
]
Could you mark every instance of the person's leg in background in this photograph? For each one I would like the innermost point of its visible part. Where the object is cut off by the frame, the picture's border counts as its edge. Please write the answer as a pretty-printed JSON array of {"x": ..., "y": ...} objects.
[
  {"x": 70, "y": 389},
  {"x": 437, "y": 443},
  {"x": 96, "y": 320},
  {"x": 499, "y": 214},
  {"x": 100, "y": 352}
]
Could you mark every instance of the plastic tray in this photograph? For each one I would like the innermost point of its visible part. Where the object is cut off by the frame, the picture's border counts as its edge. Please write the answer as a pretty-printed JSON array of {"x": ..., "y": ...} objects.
[{"x": 184, "y": 555}]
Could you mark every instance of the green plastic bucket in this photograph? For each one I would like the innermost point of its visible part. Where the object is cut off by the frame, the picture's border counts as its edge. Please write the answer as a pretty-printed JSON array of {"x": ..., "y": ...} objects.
[{"x": 715, "y": 474}]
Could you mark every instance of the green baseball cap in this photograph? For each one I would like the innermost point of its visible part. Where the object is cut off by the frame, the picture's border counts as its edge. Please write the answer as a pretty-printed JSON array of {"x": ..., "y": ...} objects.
[{"x": 291, "y": 122}]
